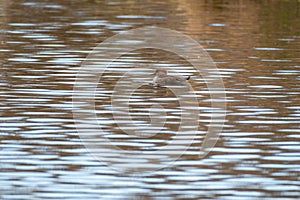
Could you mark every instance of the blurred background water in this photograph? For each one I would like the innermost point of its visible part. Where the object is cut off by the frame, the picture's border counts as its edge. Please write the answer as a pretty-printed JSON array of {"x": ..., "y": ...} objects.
[{"x": 255, "y": 45}]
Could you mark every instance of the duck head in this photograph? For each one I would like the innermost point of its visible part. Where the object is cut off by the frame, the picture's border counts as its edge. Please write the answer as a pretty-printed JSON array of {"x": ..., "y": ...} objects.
[{"x": 159, "y": 72}]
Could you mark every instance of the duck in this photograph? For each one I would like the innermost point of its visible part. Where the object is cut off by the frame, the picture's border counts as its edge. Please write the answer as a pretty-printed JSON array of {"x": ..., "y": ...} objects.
[{"x": 162, "y": 78}]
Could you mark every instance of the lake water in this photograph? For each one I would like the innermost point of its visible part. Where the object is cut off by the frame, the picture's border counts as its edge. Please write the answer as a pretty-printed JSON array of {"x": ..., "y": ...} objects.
[{"x": 44, "y": 45}]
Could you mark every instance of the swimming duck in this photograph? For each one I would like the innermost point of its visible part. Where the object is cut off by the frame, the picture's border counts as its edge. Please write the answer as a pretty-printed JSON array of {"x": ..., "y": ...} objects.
[{"x": 162, "y": 78}]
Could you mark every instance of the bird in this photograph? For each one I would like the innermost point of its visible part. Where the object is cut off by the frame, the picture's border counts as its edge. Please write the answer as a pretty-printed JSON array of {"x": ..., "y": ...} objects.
[{"x": 162, "y": 78}]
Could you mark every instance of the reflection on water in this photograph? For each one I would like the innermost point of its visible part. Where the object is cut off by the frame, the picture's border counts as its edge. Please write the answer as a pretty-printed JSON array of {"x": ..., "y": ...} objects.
[{"x": 256, "y": 48}]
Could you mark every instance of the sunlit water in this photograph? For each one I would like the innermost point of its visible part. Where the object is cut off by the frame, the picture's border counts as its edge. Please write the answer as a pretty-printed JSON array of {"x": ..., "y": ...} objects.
[{"x": 256, "y": 48}]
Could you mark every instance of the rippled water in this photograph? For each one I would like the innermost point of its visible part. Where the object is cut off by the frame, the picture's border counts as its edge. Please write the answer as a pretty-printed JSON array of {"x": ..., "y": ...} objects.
[{"x": 255, "y": 46}]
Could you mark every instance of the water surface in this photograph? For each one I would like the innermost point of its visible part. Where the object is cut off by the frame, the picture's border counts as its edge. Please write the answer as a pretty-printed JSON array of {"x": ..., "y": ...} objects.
[{"x": 255, "y": 46}]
